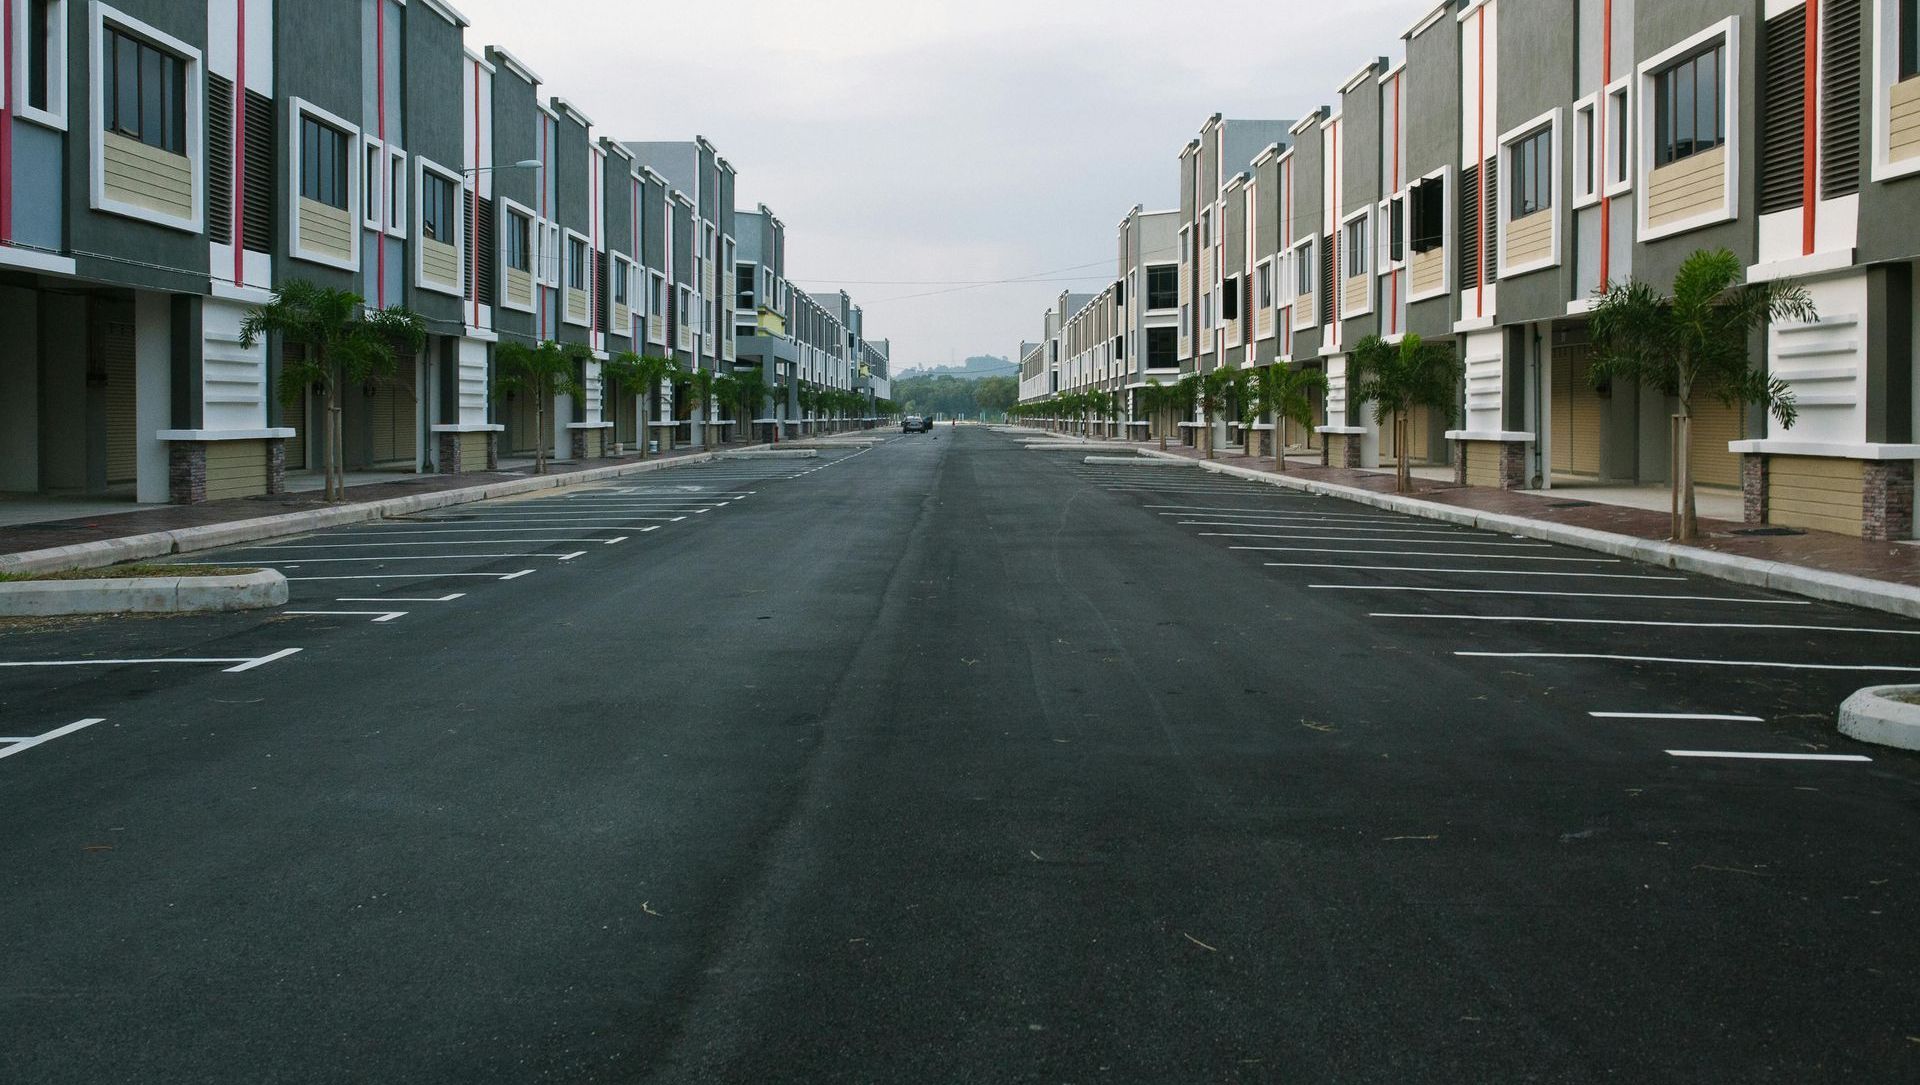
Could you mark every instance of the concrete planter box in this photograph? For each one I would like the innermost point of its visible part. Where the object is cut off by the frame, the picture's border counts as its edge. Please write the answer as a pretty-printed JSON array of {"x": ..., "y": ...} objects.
[
  {"x": 142, "y": 595},
  {"x": 1873, "y": 715}
]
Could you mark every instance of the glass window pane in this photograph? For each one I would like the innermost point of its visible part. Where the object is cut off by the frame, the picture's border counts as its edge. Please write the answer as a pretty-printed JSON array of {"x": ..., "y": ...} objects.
[
  {"x": 177, "y": 106},
  {"x": 1683, "y": 110},
  {"x": 152, "y": 81},
  {"x": 126, "y": 66},
  {"x": 1706, "y": 101}
]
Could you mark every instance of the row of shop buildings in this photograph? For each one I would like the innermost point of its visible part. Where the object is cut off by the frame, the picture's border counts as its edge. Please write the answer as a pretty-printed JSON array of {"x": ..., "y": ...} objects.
[
  {"x": 165, "y": 164},
  {"x": 1479, "y": 183}
]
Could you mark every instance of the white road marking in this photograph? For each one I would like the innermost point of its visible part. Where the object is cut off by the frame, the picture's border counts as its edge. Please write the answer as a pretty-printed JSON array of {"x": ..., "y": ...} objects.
[
  {"x": 1770, "y": 756},
  {"x": 1216, "y": 508},
  {"x": 644, "y": 530},
  {"x": 379, "y": 615},
  {"x": 616, "y": 539},
  {"x": 1563, "y": 594},
  {"x": 443, "y": 542},
  {"x": 1368, "y": 539},
  {"x": 1429, "y": 554},
  {"x": 1709, "y": 716},
  {"x": 474, "y": 530},
  {"x": 1769, "y": 664},
  {"x": 262, "y": 661},
  {"x": 412, "y": 557},
  {"x": 575, "y": 554},
  {"x": 1675, "y": 625},
  {"x": 402, "y": 599},
  {"x": 11, "y": 746},
  {"x": 1468, "y": 572},
  {"x": 411, "y": 576},
  {"x": 1307, "y": 523}
]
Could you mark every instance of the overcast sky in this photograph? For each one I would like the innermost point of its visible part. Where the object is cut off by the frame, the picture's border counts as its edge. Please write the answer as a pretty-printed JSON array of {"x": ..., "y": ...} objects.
[{"x": 905, "y": 141}]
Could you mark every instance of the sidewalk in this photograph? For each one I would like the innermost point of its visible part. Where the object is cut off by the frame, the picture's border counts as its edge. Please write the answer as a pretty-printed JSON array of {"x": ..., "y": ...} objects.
[
  {"x": 154, "y": 530},
  {"x": 1881, "y": 575}
]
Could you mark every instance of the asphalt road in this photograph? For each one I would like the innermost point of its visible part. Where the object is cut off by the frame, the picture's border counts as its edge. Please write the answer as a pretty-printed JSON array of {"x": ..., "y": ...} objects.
[{"x": 954, "y": 761}]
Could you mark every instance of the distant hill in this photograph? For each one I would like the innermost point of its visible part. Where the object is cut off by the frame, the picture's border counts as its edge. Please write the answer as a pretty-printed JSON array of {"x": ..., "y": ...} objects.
[{"x": 980, "y": 365}]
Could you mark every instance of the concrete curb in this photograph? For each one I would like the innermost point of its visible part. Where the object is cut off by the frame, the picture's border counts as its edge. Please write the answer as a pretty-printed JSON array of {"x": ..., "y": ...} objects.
[
  {"x": 93, "y": 555},
  {"x": 1859, "y": 591},
  {"x": 143, "y": 594},
  {"x": 1872, "y": 715},
  {"x": 1132, "y": 461},
  {"x": 771, "y": 454}
]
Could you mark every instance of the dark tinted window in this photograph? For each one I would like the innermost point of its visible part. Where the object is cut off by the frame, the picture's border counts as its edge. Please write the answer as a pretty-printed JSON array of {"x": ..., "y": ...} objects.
[{"x": 144, "y": 92}]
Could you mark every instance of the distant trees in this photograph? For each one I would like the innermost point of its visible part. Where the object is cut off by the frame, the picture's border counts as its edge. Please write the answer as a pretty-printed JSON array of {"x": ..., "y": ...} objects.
[{"x": 955, "y": 396}]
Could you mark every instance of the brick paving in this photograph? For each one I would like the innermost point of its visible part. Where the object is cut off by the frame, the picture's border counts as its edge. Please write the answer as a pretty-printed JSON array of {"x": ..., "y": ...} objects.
[{"x": 1893, "y": 562}]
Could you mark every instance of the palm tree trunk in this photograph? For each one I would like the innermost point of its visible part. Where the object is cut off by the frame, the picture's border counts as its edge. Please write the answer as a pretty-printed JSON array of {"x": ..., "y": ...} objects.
[
  {"x": 1403, "y": 473},
  {"x": 540, "y": 436},
  {"x": 1686, "y": 525},
  {"x": 1279, "y": 441}
]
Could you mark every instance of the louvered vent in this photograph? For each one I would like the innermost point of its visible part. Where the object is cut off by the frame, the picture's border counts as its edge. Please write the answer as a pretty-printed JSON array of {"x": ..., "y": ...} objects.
[
  {"x": 1840, "y": 124},
  {"x": 1469, "y": 228},
  {"x": 466, "y": 226},
  {"x": 1783, "y": 96},
  {"x": 1490, "y": 219},
  {"x": 599, "y": 294},
  {"x": 1328, "y": 287},
  {"x": 489, "y": 252},
  {"x": 257, "y": 217},
  {"x": 219, "y": 159}
]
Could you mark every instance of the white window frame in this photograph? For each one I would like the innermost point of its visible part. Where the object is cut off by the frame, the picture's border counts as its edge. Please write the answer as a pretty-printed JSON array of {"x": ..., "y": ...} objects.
[
  {"x": 506, "y": 209},
  {"x": 356, "y": 163},
  {"x": 1619, "y": 134},
  {"x": 395, "y": 163},
  {"x": 1885, "y": 44},
  {"x": 657, "y": 306},
  {"x": 1588, "y": 121},
  {"x": 196, "y": 121},
  {"x": 1383, "y": 261},
  {"x": 1305, "y": 262},
  {"x": 1364, "y": 217},
  {"x": 619, "y": 271},
  {"x": 1447, "y": 212},
  {"x": 1728, "y": 29},
  {"x": 1549, "y": 120},
  {"x": 421, "y": 167},
  {"x": 548, "y": 254},
  {"x": 567, "y": 289},
  {"x": 55, "y": 115},
  {"x": 1263, "y": 273},
  {"x": 372, "y": 191}
]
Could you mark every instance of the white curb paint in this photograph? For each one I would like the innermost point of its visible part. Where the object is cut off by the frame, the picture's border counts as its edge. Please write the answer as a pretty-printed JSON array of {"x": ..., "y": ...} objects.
[{"x": 143, "y": 595}]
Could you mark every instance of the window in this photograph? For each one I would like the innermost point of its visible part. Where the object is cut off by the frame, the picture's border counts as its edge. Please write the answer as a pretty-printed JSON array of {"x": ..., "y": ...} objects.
[
  {"x": 1163, "y": 348},
  {"x": 1619, "y": 158},
  {"x": 1206, "y": 228},
  {"x": 1909, "y": 36},
  {"x": 619, "y": 281},
  {"x": 1303, "y": 265},
  {"x": 43, "y": 70},
  {"x": 1186, "y": 321},
  {"x": 323, "y": 163},
  {"x": 1396, "y": 229},
  {"x": 1530, "y": 174},
  {"x": 1586, "y": 132},
  {"x": 519, "y": 242},
  {"x": 437, "y": 221},
  {"x": 1689, "y": 99},
  {"x": 1263, "y": 286},
  {"x": 144, "y": 92},
  {"x": 1206, "y": 311},
  {"x": 396, "y": 191},
  {"x": 1163, "y": 286},
  {"x": 576, "y": 264},
  {"x": 1230, "y": 299},
  {"x": 1353, "y": 254},
  {"x": 372, "y": 214},
  {"x": 743, "y": 279},
  {"x": 1428, "y": 209}
]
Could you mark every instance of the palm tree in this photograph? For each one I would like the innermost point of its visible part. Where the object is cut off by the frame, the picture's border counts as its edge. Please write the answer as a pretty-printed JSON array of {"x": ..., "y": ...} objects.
[
  {"x": 809, "y": 399},
  {"x": 1396, "y": 380},
  {"x": 750, "y": 393},
  {"x": 1282, "y": 392},
  {"x": 549, "y": 369},
  {"x": 701, "y": 381},
  {"x": 635, "y": 374},
  {"x": 1692, "y": 343},
  {"x": 726, "y": 394},
  {"x": 1186, "y": 395},
  {"x": 1154, "y": 398},
  {"x": 343, "y": 342},
  {"x": 1217, "y": 388}
]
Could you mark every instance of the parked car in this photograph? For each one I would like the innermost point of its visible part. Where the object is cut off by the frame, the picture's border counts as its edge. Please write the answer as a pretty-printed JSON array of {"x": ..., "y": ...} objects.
[{"x": 913, "y": 423}]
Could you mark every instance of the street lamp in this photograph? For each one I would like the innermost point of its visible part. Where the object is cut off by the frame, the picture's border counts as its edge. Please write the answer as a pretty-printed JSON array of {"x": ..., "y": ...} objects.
[{"x": 523, "y": 164}]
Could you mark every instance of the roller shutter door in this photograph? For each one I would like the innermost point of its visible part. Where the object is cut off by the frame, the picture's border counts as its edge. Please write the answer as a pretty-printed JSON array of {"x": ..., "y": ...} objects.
[
  {"x": 116, "y": 352},
  {"x": 1714, "y": 425}
]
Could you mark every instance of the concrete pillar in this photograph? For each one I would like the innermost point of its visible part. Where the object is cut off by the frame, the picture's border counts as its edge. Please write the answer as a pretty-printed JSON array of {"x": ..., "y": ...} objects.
[
  {"x": 153, "y": 392},
  {"x": 20, "y": 391}
]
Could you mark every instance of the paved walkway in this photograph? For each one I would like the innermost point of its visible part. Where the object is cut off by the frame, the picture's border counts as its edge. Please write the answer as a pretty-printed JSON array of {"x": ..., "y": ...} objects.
[
  {"x": 65, "y": 529},
  {"x": 1897, "y": 563}
]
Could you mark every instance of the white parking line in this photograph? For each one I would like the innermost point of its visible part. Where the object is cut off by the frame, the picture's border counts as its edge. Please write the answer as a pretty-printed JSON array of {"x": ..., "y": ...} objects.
[
  {"x": 1674, "y": 625},
  {"x": 1367, "y": 539},
  {"x": 11, "y": 746},
  {"x": 466, "y": 531},
  {"x": 1334, "y": 523},
  {"x": 1708, "y": 716},
  {"x": 1468, "y": 572},
  {"x": 245, "y": 664},
  {"x": 1770, "y": 756},
  {"x": 1564, "y": 594},
  {"x": 1216, "y": 508},
  {"x": 616, "y": 539},
  {"x": 559, "y": 523},
  {"x": 1429, "y": 554},
  {"x": 377, "y": 615},
  {"x": 448, "y": 598},
  {"x": 371, "y": 546},
  {"x": 1768, "y": 664},
  {"x": 411, "y": 557},
  {"x": 414, "y": 576}
]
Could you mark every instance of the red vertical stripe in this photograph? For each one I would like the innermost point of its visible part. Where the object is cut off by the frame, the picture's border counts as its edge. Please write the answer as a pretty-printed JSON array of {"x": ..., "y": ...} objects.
[
  {"x": 1809, "y": 195},
  {"x": 473, "y": 200},
  {"x": 239, "y": 143},
  {"x": 1602, "y": 114},
  {"x": 6, "y": 129},
  {"x": 1393, "y": 303}
]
